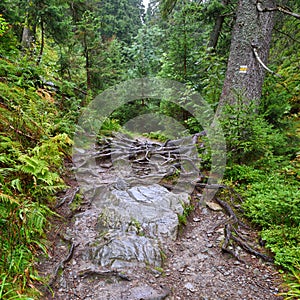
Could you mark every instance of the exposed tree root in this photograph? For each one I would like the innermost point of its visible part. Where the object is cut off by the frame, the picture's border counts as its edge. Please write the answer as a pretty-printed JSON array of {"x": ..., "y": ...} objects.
[
  {"x": 233, "y": 236},
  {"x": 229, "y": 211},
  {"x": 165, "y": 163},
  {"x": 103, "y": 273},
  {"x": 60, "y": 267},
  {"x": 68, "y": 197}
]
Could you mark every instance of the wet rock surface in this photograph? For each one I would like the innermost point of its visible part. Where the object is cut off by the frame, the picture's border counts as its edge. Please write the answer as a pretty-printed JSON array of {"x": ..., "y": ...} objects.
[{"x": 123, "y": 240}]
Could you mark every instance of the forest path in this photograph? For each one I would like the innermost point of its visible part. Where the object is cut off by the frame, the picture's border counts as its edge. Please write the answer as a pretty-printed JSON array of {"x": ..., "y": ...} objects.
[{"x": 121, "y": 240}]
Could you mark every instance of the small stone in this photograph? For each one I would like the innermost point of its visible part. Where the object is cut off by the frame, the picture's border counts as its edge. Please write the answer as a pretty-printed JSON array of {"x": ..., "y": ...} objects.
[
  {"x": 209, "y": 245},
  {"x": 190, "y": 287},
  {"x": 201, "y": 257},
  {"x": 204, "y": 211},
  {"x": 220, "y": 238},
  {"x": 196, "y": 219},
  {"x": 213, "y": 206},
  {"x": 256, "y": 271}
]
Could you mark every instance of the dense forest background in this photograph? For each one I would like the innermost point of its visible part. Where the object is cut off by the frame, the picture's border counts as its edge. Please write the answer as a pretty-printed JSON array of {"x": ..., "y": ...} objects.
[{"x": 56, "y": 56}]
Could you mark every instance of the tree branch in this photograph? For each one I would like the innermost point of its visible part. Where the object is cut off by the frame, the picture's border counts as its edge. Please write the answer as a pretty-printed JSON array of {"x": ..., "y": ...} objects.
[
  {"x": 262, "y": 63},
  {"x": 276, "y": 8},
  {"x": 284, "y": 10},
  {"x": 288, "y": 35}
]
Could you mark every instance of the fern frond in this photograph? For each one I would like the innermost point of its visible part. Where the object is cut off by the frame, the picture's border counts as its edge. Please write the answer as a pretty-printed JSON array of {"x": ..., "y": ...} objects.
[
  {"x": 8, "y": 199},
  {"x": 16, "y": 184}
]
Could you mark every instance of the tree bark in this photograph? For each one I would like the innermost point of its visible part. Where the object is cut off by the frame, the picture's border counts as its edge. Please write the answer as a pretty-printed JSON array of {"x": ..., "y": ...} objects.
[
  {"x": 215, "y": 34},
  {"x": 245, "y": 75},
  {"x": 42, "y": 43},
  {"x": 27, "y": 38},
  {"x": 87, "y": 64}
]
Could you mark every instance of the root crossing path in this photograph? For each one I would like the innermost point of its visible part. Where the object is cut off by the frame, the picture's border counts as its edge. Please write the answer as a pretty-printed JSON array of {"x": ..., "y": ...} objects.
[{"x": 125, "y": 233}]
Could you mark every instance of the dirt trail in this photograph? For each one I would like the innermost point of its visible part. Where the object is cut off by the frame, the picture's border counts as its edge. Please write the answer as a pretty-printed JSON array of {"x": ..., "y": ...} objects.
[{"x": 119, "y": 259}]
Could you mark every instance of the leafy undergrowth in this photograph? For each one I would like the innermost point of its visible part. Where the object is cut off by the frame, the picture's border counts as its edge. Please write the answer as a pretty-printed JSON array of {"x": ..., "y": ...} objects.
[
  {"x": 33, "y": 145},
  {"x": 263, "y": 166},
  {"x": 272, "y": 202}
]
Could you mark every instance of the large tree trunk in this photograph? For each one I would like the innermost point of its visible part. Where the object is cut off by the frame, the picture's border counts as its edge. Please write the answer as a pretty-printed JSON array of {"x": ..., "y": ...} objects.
[{"x": 245, "y": 75}]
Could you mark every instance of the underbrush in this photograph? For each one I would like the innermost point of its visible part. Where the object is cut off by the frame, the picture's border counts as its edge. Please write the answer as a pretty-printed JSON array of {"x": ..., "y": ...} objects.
[
  {"x": 263, "y": 166},
  {"x": 272, "y": 203},
  {"x": 33, "y": 145}
]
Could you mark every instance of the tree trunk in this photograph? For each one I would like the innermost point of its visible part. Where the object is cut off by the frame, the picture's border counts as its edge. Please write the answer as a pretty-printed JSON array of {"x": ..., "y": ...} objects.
[
  {"x": 42, "y": 43},
  {"x": 245, "y": 75},
  {"x": 215, "y": 34},
  {"x": 87, "y": 64},
  {"x": 27, "y": 38}
]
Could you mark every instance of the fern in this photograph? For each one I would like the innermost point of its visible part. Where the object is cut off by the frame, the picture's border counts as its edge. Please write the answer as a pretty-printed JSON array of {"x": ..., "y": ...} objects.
[
  {"x": 17, "y": 184},
  {"x": 4, "y": 198},
  {"x": 293, "y": 285},
  {"x": 39, "y": 170}
]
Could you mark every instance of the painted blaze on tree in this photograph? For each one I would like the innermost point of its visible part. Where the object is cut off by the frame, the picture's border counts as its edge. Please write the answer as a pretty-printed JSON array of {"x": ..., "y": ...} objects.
[{"x": 252, "y": 31}]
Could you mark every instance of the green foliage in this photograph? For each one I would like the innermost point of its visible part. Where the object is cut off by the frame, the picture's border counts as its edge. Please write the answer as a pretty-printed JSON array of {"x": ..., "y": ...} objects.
[
  {"x": 185, "y": 38},
  {"x": 89, "y": 47},
  {"x": 292, "y": 283},
  {"x": 263, "y": 166},
  {"x": 249, "y": 136},
  {"x": 284, "y": 241},
  {"x": 187, "y": 210},
  {"x": 109, "y": 126},
  {"x": 145, "y": 52},
  {"x": 32, "y": 150},
  {"x": 273, "y": 202},
  {"x": 281, "y": 99},
  {"x": 3, "y": 25},
  {"x": 121, "y": 18},
  {"x": 157, "y": 135}
]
